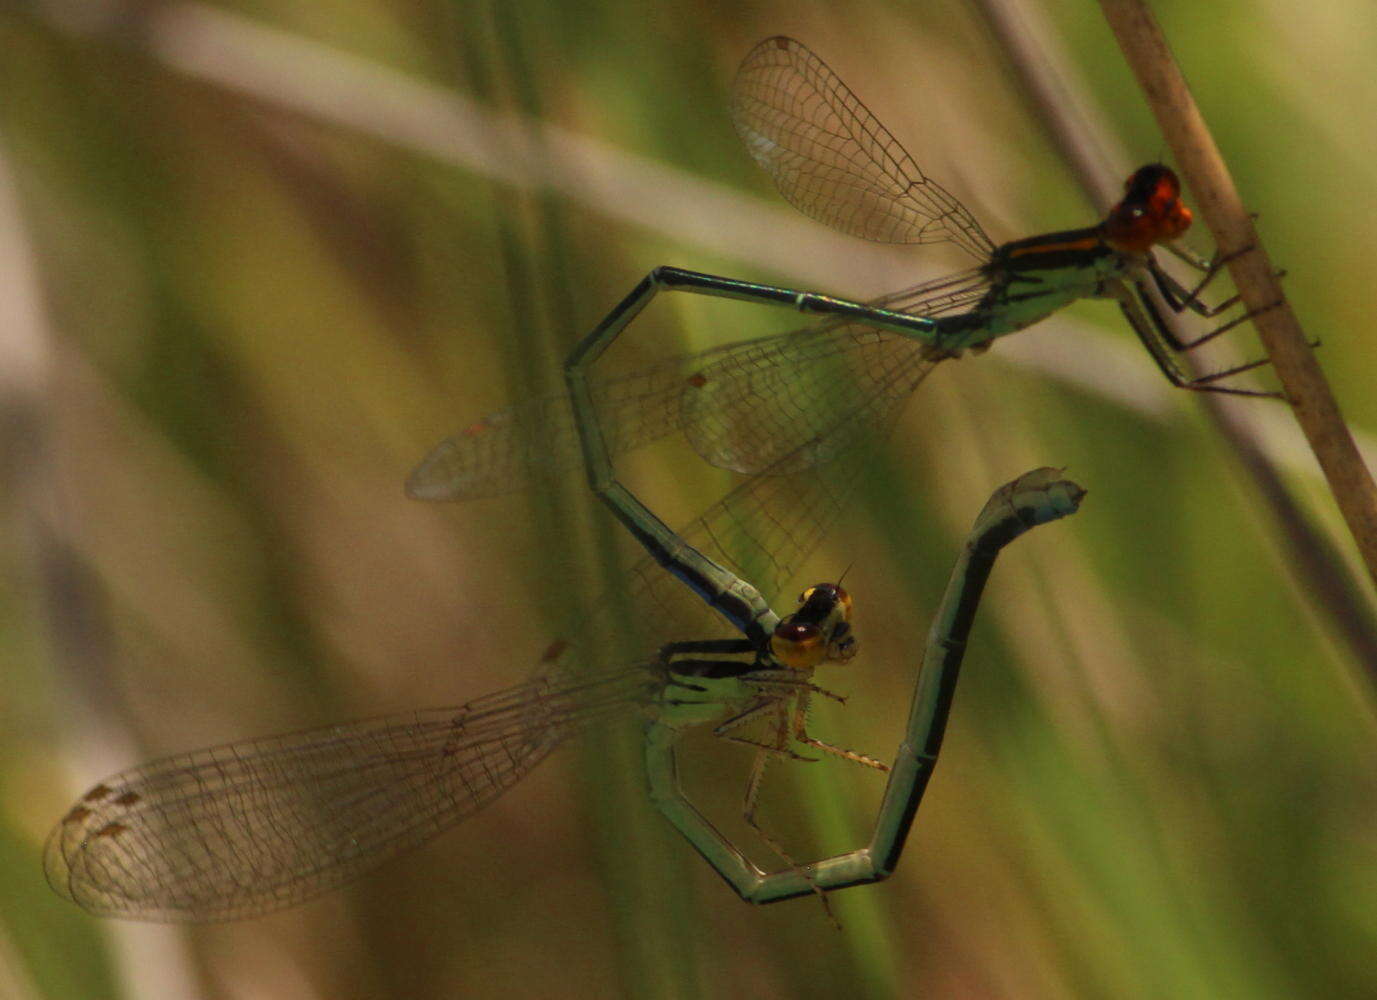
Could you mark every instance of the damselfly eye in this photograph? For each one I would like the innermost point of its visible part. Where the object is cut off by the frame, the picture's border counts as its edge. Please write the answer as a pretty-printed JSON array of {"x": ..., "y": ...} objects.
[
  {"x": 797, "y": 645},
  {"x": 1150, "y": 212}
]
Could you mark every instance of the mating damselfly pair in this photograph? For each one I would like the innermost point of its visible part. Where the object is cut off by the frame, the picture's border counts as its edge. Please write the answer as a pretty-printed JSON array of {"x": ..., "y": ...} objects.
[{"x": 250, "y": 827}]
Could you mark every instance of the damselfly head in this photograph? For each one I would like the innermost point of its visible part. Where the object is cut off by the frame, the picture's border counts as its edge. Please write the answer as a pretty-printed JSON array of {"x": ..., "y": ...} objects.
[
  {"x": 823, "y": 599},
  {"x": 1151, "y": 211},
  {"x": 819, "y": 630}
]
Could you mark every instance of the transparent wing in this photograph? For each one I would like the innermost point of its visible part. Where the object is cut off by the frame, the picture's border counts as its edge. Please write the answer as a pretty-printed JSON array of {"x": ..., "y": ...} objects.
[
  {"x": 833, "y": 160},
  {"x": 765, "y": 529},
  {"x": 251, "y": 827},
  {"x": 246, "y": 828},
  {"x": 743, "y": 406}
]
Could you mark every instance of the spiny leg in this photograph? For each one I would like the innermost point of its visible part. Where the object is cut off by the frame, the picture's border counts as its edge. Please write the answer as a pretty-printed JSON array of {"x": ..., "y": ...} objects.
[
  {"x": 1205, "y": 382},
  {"x": 1147, "y": 321},
  {"x": 1179, "y": 298},
  {"x": 1208, "y": 267},
  {"x": 752, "y": 800},
  {"x": 764, "y": 707},
  {"x": 800, "y": 729},
  {"x": 784, "y": 681},
  {"x": 786, "y": 723},
  {"x": 1178, "y": 305}
]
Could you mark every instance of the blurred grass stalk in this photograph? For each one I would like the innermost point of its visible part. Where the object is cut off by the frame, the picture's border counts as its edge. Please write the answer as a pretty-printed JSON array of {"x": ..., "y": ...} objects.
[{"x": 152, "y": 961}]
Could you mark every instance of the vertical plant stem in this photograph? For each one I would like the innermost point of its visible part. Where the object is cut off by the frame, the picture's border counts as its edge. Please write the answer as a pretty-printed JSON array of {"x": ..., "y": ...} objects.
[{"x": 1144, "y": 46}]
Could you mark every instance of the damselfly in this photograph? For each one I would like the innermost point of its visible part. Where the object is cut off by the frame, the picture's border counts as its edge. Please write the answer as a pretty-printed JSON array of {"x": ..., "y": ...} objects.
[
  {"x": 776, "y": 403},
  {"x": 246, "y": 828}
]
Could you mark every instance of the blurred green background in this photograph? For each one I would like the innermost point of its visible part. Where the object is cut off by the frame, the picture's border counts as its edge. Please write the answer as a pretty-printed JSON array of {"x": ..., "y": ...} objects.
[{"x": 254, "y": 264}]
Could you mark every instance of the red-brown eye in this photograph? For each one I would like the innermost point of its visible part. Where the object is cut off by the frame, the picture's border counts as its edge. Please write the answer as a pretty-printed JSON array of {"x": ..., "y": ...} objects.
[
  {"x": 797, "y": 645},
  {"x": 1151, "y": 211}
]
